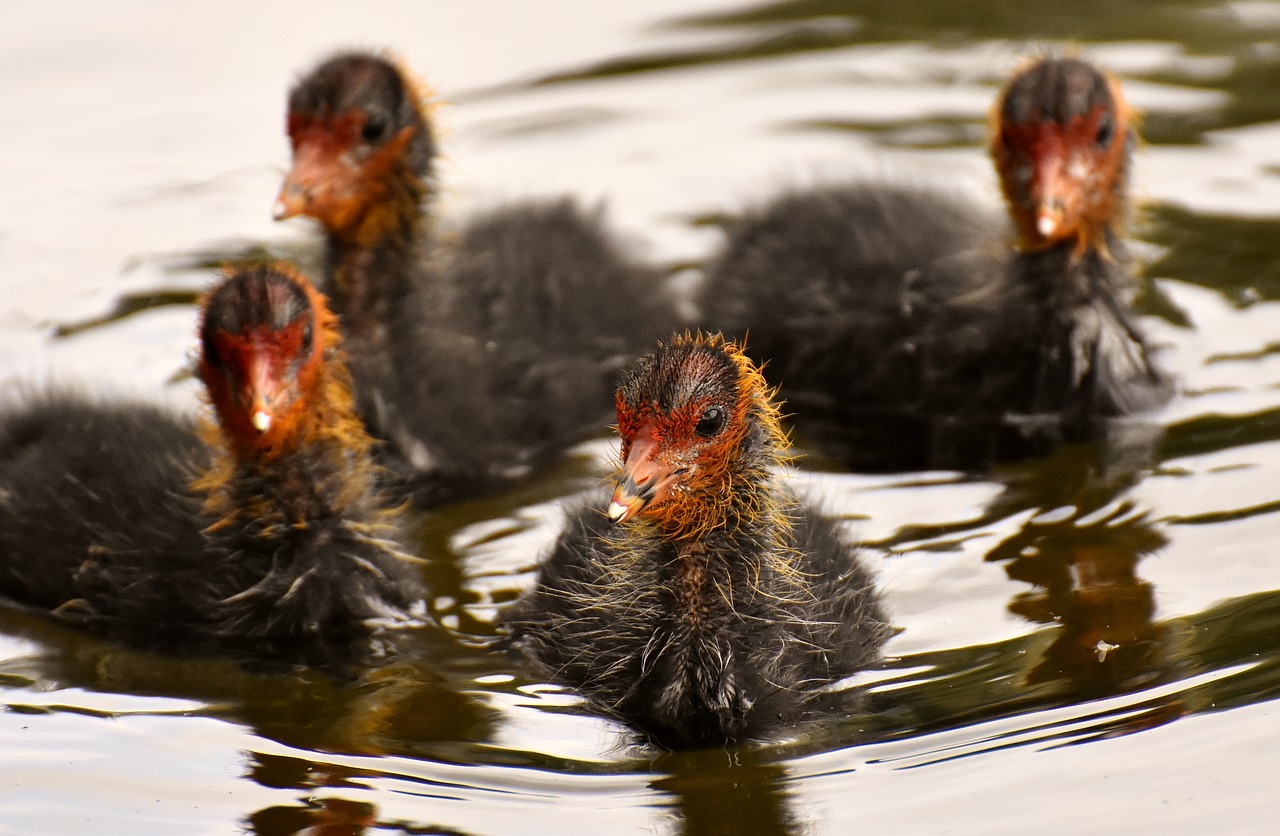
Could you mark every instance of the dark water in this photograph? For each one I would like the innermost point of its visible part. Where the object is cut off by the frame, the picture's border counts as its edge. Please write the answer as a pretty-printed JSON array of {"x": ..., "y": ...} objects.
[{"x": 1089, "y": 642}]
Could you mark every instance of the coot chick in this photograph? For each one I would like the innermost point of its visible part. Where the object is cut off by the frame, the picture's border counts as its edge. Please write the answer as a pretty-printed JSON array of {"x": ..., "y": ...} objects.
[
  {"x": 478, "y": 353},
  {"x": 263, "y": 534},
  {"x": 708, "y": 604},
  {"x": 903, "y": 331}
]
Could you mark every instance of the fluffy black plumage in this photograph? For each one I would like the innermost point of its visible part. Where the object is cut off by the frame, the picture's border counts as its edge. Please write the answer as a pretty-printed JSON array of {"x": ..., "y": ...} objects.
[
  {"x": 906, "y": 333},
  {"x": 478, "y": 353},
  {"x": 606, "y": 619},
  {"x": 710, "y": 632},
  {"x": 83, "y": 481},
  {"x": 118, "y": 517}
]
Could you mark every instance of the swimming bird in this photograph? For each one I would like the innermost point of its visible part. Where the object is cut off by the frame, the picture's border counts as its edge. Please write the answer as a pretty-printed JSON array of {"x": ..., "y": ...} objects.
[
  {"x": 906, "y": 333},
  {"x": 478, "y": 353},
  {"x": 262, "y": 532},
  {"x": 706, "y": 604}
]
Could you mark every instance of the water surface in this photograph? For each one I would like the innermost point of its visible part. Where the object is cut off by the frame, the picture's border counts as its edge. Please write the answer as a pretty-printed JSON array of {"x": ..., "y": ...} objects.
[{"x": 1088, "y": 641}]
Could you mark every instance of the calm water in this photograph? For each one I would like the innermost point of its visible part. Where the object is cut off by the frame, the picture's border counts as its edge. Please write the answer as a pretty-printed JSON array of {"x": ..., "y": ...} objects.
[{"x": 1088, "y": 642}]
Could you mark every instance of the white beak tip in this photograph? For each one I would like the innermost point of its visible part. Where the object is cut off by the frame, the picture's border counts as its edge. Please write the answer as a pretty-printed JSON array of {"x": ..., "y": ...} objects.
[
  {"x": 261, "y": 420},
  {"x": 279, "y": 210},
  {"x": 1046, "y": 225},
  {"x": 616, "y": 511}
]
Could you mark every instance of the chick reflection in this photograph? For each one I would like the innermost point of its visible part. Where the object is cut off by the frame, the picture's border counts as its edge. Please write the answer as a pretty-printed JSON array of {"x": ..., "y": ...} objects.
[
  {"x": 1086, "y": 576},
  {"x": 319, "y": 817},
  {"x": 406, "y": 704},
  {"x": 718, "y": 791},
  {"x": 1081, "y": 553},
  {"x": 316, "y": 815}
]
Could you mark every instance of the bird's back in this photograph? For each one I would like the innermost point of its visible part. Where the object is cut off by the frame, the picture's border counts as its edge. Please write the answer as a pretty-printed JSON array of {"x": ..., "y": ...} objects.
[
  {"x": 561, "y": 308},
  {"x": 88, "y": 491}
]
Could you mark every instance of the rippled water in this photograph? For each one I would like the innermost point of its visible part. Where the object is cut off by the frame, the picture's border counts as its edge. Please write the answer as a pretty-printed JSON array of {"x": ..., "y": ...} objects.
[{"x": 1086, "y": 642}]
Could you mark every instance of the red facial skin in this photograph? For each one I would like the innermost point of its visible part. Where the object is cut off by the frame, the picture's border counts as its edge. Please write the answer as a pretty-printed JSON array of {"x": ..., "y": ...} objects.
[
  {"x": 1059, "y": 181},
  {"x": 674, "y": 476},
  {"x": 656, "y": 462},
  {"x": 336, "y": 178},
  {"x": 262, "y": 386}
]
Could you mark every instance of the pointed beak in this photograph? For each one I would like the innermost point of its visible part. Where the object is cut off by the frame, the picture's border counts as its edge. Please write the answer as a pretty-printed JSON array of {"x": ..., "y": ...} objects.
[
  {"x": 261, "y": 418},
  {"x": 624, "y": 505},
  {"x": 263, "y": 391},
  {"x": 320, "y": 173},
  {"x": 1048, "y": 220},
  {"x": 1054, "y": 193},
  {"x": 289, "y": 203},
  {"x": 295, "y": 193},
  {"x": 645, "y": 480}
]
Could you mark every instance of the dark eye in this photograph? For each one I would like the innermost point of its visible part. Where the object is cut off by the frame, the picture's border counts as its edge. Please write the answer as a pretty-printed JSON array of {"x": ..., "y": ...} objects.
[
  {"x": 711, "y": 422},
  {"x": 308, "y": 336},
  {"x": 375, "y": 126},
  {"x": 1106, "y": 130}
]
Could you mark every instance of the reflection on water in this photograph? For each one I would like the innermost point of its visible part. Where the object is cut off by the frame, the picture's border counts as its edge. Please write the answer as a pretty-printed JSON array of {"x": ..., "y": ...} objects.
[
  {"x": 1082, "y": 598},
  {"x": 723, "y": 792},
  {"x": 405, "y": 706},
  {"x": 1081, "y": 552},
  {"x": 1089, "y": 587},
  {"x": 325, "y": 817}
]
